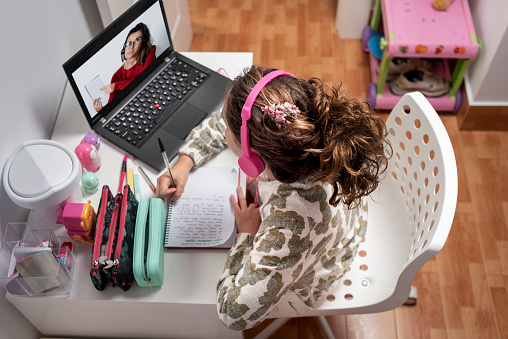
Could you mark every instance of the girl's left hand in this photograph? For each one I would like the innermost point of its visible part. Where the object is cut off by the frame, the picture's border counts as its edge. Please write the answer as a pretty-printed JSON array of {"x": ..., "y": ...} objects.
[{"x": 247, "y": 217}]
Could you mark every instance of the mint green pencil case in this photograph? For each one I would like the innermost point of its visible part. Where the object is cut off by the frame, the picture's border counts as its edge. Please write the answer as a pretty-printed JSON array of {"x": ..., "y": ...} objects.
[{"x": 148, "y": 254}]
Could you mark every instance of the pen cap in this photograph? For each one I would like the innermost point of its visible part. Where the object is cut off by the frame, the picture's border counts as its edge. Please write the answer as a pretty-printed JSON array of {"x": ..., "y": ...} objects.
[{"x": 42, "y": 174}]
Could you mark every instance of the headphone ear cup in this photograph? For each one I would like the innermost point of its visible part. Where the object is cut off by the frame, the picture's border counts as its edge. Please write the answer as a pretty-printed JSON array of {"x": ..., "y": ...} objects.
[
  {"x": 122, "y": 53},
  {"x": 253, "y": 165},
  {"x": 250, "y": 162}
]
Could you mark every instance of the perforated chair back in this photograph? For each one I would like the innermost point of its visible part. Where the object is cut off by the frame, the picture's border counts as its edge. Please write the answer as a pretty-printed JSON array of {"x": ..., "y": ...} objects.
[{"x": 410, "y": 214}]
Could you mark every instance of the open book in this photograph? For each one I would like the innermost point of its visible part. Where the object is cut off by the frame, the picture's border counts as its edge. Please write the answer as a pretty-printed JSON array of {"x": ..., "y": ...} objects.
[{"x": 203, "y": 216}]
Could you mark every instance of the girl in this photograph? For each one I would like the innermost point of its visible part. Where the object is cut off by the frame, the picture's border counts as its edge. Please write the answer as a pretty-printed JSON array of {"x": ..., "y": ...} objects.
[{"x": 322, "y": 153}]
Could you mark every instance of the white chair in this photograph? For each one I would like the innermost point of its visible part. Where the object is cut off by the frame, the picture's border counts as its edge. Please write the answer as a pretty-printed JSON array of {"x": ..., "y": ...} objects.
[{"x": 410, "y": 216}]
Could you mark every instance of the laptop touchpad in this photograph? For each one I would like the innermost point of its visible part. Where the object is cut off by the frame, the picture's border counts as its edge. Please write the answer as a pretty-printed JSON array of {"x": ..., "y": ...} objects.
[{"x": 183, "y": 121}]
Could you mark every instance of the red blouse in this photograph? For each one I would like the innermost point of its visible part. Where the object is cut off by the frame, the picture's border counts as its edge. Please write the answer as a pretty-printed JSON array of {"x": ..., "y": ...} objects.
[{"x": 123, "y": 77}]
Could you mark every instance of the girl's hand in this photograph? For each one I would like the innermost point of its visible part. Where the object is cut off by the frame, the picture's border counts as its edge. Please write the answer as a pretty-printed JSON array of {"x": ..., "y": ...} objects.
[
  {"x": 247, "y": 217},
  {"x": 180, "y": 173}
]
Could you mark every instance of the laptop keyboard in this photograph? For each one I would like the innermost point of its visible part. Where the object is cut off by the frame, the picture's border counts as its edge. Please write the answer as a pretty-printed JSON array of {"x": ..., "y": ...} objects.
[{"x": 143, "y": 113}]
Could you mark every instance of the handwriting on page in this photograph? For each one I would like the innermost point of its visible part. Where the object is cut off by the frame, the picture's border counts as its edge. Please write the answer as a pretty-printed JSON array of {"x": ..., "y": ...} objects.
[
  {"x": 199, "y": 220},
  {"x": 203, "y": 216}
]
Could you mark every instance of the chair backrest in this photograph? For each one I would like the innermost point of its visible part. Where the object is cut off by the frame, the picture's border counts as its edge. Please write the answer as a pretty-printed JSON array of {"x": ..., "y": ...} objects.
[{"x": 410, "y": 214}]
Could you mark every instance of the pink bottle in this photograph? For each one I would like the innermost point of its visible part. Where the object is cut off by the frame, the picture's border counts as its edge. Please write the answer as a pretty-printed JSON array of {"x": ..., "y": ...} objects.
[{"x": 88, "y": 156}]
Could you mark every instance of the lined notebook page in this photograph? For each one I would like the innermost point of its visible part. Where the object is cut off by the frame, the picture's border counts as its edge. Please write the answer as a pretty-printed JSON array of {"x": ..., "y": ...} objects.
[{"x": 203, "y": 215}]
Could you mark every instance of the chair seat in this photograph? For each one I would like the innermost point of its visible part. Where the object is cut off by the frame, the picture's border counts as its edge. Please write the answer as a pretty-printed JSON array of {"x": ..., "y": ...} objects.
[{"x": 381, "y": 257}]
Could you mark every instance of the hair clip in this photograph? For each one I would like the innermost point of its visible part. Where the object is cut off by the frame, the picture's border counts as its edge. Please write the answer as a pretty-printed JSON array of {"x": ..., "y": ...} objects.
[{"x": 279, "y": 112}]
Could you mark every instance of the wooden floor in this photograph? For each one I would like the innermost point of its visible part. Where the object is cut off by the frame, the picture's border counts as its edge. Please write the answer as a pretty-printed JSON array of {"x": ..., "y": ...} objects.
[{"x": 463, "y": 291}]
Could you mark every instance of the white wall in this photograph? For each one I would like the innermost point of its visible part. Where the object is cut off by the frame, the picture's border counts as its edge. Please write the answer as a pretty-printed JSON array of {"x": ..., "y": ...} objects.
[
  {"x": 487, "y": 74},
  {"x": 38, "y": 36},
  {"x": 177, "y": 14},
  {"x": 112, "y": 9},
  {"x": 351, "y": 17}
]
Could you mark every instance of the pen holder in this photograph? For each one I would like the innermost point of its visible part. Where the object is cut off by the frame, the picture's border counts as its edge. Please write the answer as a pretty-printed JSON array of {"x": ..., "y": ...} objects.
[{"x": 34, "y": 262}]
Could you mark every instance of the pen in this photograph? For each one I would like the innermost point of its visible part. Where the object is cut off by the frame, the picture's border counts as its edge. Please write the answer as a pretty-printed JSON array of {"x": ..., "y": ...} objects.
[
  {"x": 122, "y": 175},
  {"x": 166, "y": 161},
  {"x": 152, "y": 187}
]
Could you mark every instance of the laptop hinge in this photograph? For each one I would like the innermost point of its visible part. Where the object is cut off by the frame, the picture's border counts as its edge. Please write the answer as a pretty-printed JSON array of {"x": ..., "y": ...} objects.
[
  {"x": 167, "y": 59},
  {"x": 103, "y": 120}
]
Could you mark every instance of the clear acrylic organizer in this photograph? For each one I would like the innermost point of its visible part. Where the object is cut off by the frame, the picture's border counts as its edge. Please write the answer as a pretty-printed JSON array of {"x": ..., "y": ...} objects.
[{"x": 34, "y": 262}]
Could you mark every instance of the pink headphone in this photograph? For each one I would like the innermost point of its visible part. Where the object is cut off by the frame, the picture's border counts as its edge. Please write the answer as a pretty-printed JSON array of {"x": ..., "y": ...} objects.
[{"x": 251, "y": 163}]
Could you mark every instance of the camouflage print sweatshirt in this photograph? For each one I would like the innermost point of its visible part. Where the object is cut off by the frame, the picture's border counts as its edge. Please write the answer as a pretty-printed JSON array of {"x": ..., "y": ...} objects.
[{"x": 302, "y": 247}]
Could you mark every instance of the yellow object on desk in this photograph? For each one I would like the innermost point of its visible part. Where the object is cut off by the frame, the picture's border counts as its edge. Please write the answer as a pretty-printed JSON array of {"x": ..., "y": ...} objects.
[{"x": 130, "y": 175}]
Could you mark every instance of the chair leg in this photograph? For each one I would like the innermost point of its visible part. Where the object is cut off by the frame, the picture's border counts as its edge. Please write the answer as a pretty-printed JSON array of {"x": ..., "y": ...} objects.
[
  {"x": 325, "y": 328},
  {"x": 270, "y": 329},
  {"x": 413, "y": 297}
]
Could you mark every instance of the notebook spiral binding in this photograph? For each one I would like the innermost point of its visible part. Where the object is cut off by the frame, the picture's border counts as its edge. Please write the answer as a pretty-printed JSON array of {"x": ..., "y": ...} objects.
[{"x": 169, "y": 209}]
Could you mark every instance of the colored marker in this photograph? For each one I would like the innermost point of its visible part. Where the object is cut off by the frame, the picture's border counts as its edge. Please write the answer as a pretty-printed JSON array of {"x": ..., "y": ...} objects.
[
  {"x": 130, "y": 176},
  {"x": 122, "y": 174}
]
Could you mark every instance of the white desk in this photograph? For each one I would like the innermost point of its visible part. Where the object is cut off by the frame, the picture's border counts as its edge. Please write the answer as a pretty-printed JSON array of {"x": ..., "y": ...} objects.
[{"x": 184, "y": 307}]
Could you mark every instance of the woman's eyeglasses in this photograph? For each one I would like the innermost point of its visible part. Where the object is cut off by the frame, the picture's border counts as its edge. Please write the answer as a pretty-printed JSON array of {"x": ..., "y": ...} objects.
[{"x": 134, "y": 43}]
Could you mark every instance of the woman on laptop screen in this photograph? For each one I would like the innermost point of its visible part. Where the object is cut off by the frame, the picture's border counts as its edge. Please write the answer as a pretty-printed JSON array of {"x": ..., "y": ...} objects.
[{"x": 137, "y": 54}]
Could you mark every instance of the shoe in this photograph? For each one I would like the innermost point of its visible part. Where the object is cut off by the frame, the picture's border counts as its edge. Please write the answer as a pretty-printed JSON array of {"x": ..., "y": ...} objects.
[
  {"x": 428, "y": 84},
  {"x": 400, "y": 66}
]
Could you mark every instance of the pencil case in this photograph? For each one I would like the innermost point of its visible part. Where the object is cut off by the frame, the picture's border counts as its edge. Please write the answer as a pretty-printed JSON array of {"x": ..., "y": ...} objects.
[
  {"x": 148, "y": 262},
  {"x": 112, "y": 248}
]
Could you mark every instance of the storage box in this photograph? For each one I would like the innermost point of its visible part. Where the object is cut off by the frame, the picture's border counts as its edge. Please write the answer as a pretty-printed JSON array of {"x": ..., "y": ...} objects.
[{"x": 34, "y": 262}]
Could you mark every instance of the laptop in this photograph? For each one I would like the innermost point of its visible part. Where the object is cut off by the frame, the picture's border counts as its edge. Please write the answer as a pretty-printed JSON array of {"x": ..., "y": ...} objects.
[{"x": 164, "y": 98}]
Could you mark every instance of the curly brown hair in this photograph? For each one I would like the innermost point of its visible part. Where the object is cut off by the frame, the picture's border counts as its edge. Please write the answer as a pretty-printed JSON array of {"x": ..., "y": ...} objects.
[{"x": 335, "y": 139}]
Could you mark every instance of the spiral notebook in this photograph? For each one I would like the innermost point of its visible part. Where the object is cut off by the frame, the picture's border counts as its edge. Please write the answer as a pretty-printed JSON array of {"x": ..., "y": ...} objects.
[{"x": 203, "y": 218}]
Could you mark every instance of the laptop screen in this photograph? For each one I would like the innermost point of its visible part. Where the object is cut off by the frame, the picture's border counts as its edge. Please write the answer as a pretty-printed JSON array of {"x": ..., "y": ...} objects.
[{"x": 115, "y": 61}]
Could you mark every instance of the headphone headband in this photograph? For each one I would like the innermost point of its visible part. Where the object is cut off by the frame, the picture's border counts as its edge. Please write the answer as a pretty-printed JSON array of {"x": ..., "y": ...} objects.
[
  {"x": 249, "y": 162},
  {"x": 247, "y": 107}
]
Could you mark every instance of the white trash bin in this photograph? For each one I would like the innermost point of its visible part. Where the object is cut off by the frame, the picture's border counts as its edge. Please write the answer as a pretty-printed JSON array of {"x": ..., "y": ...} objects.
[{"x": 43, "y": 175}]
